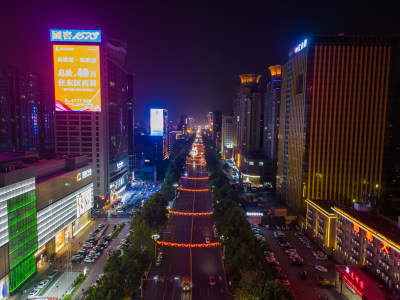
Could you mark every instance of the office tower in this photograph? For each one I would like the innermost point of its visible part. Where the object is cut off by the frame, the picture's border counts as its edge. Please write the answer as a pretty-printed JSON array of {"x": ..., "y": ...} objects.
[
  {"x": 43, "y": 205},
  {"x": 190, "y": 123},
  {"x": 227, "y": 137},
  {"x": 165, "y": 134},
  {"x": 131, "y": 126},
  {"x": 271, "y": 113},
  {"x": 334, "y": 119},
  {"x": 100, "y": 127},
  {"x": 210, "y": 121},
  {"x": 250, "y": 114},
  {"x": 27, "y": 114},
  {"x": 217, "y": 127},
  {"x": 248, "y": 126},
  {"x": 174, "y": 138}
]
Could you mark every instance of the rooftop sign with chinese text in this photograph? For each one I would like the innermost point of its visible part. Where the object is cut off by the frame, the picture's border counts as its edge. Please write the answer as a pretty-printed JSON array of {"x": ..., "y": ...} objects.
[
  {"x": 300, "y": 46},
  {"x": 72, "y": 35}
]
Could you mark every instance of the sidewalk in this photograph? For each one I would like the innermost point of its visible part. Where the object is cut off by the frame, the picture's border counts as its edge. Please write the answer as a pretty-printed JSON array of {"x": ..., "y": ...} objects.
[{"x": 62, "y": 284}]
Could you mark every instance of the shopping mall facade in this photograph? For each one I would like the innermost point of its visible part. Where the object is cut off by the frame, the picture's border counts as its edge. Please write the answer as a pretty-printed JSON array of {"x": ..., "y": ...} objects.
[{"x": 44, "y": 203}]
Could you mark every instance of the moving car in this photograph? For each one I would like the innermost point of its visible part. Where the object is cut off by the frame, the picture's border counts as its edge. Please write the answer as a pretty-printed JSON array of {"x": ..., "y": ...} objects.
[
  {"x": 212, "y": 281},
  {"x": 158, "y": 262},
  {"x": 34, "y": 292},
  {"x": 285, "y": 282},
  {"x": 207, "y": 240},
  {"x": 321, "y": 268},
  {"x": 186, "y": 283}
]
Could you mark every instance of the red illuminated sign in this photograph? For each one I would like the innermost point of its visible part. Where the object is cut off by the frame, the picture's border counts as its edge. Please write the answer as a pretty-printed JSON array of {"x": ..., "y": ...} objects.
[
  {"x": 353, "y": 286},
  {"x": 369, "y": 236},
  {"x": 356, "y": 227},
  {"x": 385, "y": 247}
]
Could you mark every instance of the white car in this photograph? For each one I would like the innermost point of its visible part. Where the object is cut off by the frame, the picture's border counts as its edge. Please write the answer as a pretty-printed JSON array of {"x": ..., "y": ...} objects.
[
  {"x": 207, "y": 240},
  {"x": 321, "y": 268},
  {"x": 34, "y": 292},
  {"x": 42, "y": 284},
  {"x": 89, "y": 260}
]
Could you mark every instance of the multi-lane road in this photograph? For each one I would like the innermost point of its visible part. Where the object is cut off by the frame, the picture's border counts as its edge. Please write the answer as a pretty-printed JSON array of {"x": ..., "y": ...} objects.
[{"x": 165, "y": 281}]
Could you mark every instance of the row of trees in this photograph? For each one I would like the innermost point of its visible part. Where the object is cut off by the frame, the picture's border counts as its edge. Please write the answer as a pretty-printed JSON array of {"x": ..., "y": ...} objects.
[
  {"x": 124, "y": 272},
  {"x": 245, "y": 265}
]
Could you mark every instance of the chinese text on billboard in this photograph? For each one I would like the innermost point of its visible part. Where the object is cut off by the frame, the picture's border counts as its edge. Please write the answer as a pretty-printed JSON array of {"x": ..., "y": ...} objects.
[
  {"x": 77, "y": 77},
  {"x": 156, "y": 122},
  {"x": 72, "y": 35}
]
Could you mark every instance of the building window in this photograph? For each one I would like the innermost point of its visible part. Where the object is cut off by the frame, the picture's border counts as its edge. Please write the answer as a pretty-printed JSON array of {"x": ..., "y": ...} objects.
[{"x": 260, "y": 163}]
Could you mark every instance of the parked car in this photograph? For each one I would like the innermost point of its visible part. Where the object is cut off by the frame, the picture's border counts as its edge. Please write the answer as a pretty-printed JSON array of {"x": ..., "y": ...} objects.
[
  {"x": 42, "y": 284},
  {"x": 52, "y": 274},
  {"x": 89, "y": 260}
]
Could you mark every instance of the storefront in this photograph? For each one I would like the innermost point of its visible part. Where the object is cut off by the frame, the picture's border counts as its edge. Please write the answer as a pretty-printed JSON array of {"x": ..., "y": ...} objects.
[{"x": 358, "y": 282}]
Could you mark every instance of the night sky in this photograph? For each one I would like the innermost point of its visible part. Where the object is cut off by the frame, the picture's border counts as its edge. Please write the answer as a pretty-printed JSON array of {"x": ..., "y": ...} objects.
[{"x": 187, "y": 54}]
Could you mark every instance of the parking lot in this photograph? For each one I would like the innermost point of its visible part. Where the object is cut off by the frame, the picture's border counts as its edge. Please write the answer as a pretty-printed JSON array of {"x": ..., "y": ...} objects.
[{"x": 299, "y": 269}]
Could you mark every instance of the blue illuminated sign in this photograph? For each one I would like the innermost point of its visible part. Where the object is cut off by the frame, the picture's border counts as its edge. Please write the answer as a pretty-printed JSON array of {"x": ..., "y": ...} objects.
[
  {"x": 72, "y": 35},
  {"x": 300, "y": 46},
  {"x": 156, "y": 122}
]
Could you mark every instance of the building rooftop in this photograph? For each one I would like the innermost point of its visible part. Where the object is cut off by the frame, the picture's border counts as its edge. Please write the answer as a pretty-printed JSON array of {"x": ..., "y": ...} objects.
[
  {"x": 375, "y": 223},
  {"x": 325, "y": 205},
  {"x": 251, "y": 207}
]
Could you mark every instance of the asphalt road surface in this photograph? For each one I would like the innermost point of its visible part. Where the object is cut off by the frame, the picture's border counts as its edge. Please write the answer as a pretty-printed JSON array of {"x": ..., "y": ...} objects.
[{"x": 197, "y": 263}]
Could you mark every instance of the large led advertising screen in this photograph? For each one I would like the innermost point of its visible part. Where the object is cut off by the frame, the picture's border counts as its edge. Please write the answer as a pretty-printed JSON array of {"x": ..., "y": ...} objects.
[
  {"x": 84, "y": 202},
  {"x": 77, "y": 77},
  {"x": 156, "y": 122}
]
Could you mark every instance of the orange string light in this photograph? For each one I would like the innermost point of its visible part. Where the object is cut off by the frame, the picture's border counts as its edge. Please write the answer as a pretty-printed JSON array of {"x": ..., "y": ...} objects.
[
  {"x": 216, "y": 244},
  {"x": 194, "y": 178},
  {"x": 193, "y": 190},
  {"x": 181, "y": 213}
]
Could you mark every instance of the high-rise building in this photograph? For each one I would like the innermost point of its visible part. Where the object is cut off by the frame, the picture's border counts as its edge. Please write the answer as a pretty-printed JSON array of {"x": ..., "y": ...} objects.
[
  {"x": 27, "y": 111},
  {"x": 271, "y": 113},
  {"x": 131, "y": 126},
  {"x": 227, "y": 137},
  {"x": 190, "y": 123},
  {"x": 44, "y": 202},
  {"x": 334, "y": 119},
  {"x": 165, "y": 134},
  {"x": 250, "y": 114},
  {"x": 174, "y": 138},
  {"x": 248, "y": 129},
  {"x": 100, "y": 129},
  {"x": 217, "y": 128}
]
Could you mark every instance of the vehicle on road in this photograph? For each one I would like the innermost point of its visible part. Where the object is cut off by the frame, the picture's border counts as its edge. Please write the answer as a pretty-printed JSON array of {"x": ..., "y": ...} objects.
[
  {"x": 207, "y": 240},
  {"x": 186, "y": 283},
  {"x": 212, "y": 281},
  {"x": 42, "y": 284},
  {"x": 34, "y": 292},
  {"x": 158, "y": 262},
  {"x": 321, "y": 268},
  {"x": 285, "y": 282},
  {"x": 52, "y": 274}
]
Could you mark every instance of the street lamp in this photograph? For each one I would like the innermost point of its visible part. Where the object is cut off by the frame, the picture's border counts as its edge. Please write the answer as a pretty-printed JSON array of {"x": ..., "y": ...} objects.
[{"x": 175, "y": 185}]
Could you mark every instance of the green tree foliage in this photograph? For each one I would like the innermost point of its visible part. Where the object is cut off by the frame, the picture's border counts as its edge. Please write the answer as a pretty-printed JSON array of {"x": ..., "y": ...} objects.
[
  {"x": 124, "y": 273},
  {"x": 245, "y": 264}
]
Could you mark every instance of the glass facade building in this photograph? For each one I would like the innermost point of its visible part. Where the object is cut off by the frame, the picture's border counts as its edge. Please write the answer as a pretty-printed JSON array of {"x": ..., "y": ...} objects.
[
  {"x": 27, "y": 114},
  {"x": 334, "y": 117}
]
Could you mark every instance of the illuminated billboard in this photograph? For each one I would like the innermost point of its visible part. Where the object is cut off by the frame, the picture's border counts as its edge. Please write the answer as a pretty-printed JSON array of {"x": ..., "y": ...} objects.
[
  {"x": 77, "y": 77},
  {"x": 72, "y": 35},
  {"x": 156, "y": 122},
  {"x": 84, "y": 202}
]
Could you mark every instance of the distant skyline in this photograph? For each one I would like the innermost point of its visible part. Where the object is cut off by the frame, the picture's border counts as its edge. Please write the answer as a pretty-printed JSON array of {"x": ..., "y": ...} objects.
[{"x": 187, "y": 55}]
